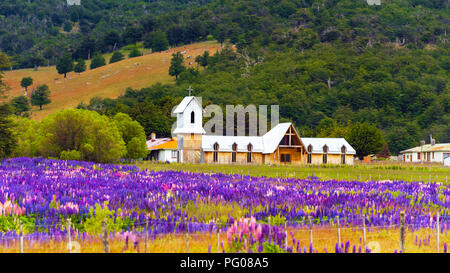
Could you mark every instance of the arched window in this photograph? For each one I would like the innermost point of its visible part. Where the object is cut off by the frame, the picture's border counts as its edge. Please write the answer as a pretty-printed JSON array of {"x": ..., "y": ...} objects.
[
  {"x": 249, "y": 152},
  {"x": 233, "y": 154},
  {"x": 325, "y": 154},
  {"x": 216, "y": 152},
  {"x": 343, "y": 151},
  {"x": 192, "y": 117},
  {"x": 309, "y": 154}
]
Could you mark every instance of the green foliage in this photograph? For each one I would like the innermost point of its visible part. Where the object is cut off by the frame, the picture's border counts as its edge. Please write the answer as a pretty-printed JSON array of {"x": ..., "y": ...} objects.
[
  {"x": 25, "y": 82},
  {"x": 41, "y": 96},
  {"x": 93, "y": 224},
  {"x": 67, "y": 26},
  {"x": 203, "y": 59},
  {"x": 133, "y": 134},
  {"x": 95, "y": 137},
  {"x": 26, "y": 131},
  {"x": 70, "y": 155},
  {"x": 8, "y": 141},
  {"x": 97, "y": 61},
  {"x": 21, "y": 105},
  {"x": 365, "y": 139},
  {"x": 134, "y": 53},
  {"x": 65, "y": 64},
  {"x": 157, "y": 41},
  {"x": 176, "y": 65},
  {"x": 116, "y": 57},
  {"x": 80, "y": 67}
]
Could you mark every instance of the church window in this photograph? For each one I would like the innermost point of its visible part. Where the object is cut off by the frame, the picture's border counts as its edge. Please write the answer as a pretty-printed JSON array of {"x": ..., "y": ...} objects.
[
  {"x": 192, "y": 117},
  {"x": 216, "y": 152}
]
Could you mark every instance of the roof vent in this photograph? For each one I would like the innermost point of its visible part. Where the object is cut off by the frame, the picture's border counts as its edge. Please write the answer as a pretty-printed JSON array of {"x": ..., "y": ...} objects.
[{"x": 153, "y": 136}]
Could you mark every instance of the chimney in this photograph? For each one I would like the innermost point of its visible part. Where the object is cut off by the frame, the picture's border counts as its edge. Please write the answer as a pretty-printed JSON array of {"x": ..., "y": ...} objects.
[
  {"x": 422, "y": 142},
  {"x": 153, "y": 136},
  {"x": 433, "y": 141}
]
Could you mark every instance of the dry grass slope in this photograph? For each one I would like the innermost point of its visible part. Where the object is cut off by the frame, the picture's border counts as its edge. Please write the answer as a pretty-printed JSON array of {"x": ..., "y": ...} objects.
[{"x": 108, "y": 81}]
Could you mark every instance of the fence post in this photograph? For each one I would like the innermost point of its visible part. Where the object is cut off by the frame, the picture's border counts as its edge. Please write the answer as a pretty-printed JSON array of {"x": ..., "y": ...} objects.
[
  {"x": 218, "y": 236},
  {"x": 69, "y": 236},
  {"x": 310, "y": 231},
  {"x": 437, "y": 231},
  {"x": 364, "y": 233},
  {"x": 402, "y": 231},
  {"x": 187, "y": 236},
  {"x": 338, "y": 230},
  {"x": 105, "y": 236},
  {"x": 286, "y": 235},
  {"x": 146, "y": 236},
  {"x": 21, "y": 237}
]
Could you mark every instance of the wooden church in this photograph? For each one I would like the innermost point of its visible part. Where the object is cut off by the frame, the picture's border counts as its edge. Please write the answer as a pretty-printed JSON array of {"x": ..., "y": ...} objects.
[{"x": 281, "y": 145}]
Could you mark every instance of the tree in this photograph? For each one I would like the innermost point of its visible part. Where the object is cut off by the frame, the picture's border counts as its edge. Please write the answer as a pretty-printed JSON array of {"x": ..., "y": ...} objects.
[
  {"x": 133, "y": 134},
  {"x": 21, "y": 105},
  {"x": 202, "y": 60},
  {"x": 80, "y": 67},
  {"x": 64, "y": 64},
  {"x": 41, "y": 96},
  {"x": 83, "y": 134},
  {"x": 112, "y": 40},
  {"x": 176, "y": 65},
  {"x": 4, "y": 62},
  {"x": 384, "y": 153},
  {"x": 157, "y": 41},
  {"x": 365, "y": 138},
  {"x": 134, "y": 53},
  {"x": 116, "y": 57},
  {"x": 132, "y": 34},
  {"x": 98, "y": 61},
  {"x": 67, "y": 26},
  {"x": 36, "y": 60},
  {"x": 8, "y": 140},
  {"x": 25, "y": 82}
]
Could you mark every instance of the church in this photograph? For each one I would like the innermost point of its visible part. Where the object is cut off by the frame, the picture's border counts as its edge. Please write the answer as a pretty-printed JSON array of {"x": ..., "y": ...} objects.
[{"x": 281, "y": 145}]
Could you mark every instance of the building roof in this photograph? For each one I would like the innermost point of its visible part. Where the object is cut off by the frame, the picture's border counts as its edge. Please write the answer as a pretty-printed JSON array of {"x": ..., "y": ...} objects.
[
  {"x": 162, "y": 143},
  {"x": 334, "y": 145},
  {"x": 184, "y": 103},
  {"x": 265, "y": 144},
  {"x": 442, "y": 147}
]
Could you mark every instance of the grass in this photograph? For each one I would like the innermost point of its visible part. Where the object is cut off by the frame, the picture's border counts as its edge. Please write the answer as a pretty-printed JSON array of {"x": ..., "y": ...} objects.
[
  {"x": 109, "y": 81},
  {"x": 360, "y": 172}
]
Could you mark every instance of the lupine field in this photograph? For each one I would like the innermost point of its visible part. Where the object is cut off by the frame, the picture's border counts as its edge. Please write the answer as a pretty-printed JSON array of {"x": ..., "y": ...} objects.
[{"x": 173, "y": 211}]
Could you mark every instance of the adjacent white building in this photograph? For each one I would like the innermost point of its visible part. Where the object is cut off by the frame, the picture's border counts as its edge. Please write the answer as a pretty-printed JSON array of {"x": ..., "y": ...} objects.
[{"x": 427, "y": 153}]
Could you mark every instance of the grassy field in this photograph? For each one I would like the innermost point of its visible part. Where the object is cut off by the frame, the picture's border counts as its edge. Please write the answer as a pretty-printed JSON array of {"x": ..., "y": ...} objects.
[
  {"x": 108, "y": 81},
  {"x": 360, "y": 172}
]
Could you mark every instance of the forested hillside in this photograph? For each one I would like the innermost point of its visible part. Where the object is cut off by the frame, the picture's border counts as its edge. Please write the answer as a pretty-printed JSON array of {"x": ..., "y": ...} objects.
[{"x": 328, "y": 64}]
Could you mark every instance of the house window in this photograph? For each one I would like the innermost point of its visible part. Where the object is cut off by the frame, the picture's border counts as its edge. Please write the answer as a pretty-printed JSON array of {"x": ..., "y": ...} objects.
[
  {"x": 192, "y": 117},
  {"x": 309, "y": 154},
  {"x": 249, "y": 152},
  {"x": 325, "y": 154},
  {"x": 233, "y": 154},
  {"x": 433, "y": 155},
  {"x": 418, "y": 156},
  {"x": 216, "y": 152},
  {"x": 285, "y": 158},
  {"x": 343, "y": 151},
  {"x": 174, "y": 154}
]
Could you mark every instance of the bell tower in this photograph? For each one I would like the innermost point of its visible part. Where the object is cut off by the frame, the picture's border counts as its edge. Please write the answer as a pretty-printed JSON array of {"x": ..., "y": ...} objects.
[{"x": 189, "y": 129}]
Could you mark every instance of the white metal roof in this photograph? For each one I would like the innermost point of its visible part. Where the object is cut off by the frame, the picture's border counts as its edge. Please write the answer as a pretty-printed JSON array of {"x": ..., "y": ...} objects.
[
  {"x": 438, "y": 147},
  {"x": 334, "y": 145},
  {"x": 263, "y": 144},
  {"x": 183, "y": 104}
]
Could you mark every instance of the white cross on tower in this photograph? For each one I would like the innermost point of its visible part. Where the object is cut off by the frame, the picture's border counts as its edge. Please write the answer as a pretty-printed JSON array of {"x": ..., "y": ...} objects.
[{"x": 190, "y": 89}]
